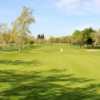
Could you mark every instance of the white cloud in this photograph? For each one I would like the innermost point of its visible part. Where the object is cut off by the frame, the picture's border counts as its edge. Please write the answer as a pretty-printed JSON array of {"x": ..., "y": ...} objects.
[{"x": 79, "y": 6}]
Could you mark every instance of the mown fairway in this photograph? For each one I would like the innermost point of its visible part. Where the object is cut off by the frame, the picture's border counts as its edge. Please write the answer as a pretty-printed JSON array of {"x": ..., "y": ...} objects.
[{"x": 42, "y": 72}]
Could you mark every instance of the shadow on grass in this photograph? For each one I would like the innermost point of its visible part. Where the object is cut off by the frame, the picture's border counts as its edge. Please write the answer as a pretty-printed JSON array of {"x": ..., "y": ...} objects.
[
  {"x": 19, "y": 62},
  {"x": 52, "y": 85},
  {"x": 13, "y": 48}
]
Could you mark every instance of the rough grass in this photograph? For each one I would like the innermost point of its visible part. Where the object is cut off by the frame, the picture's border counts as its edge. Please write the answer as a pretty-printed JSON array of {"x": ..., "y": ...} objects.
[{"x": 42, "y": 72}]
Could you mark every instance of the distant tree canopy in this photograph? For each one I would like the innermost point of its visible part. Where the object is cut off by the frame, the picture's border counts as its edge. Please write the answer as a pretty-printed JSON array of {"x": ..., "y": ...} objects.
[
  {"x": 85, "y": 36},
  {"x": 89, "y": 41},
  {"x": 77, "y": 37},
  {"x": 88, "y": 33},
  {"x": 64, "y": 39},
  {"x": 97, "y": 37},
  {"x": 40, "y": 36}
]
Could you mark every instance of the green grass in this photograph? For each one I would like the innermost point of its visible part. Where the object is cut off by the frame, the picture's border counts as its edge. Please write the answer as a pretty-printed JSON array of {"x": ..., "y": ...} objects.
[{"x": 42, "y": 72}]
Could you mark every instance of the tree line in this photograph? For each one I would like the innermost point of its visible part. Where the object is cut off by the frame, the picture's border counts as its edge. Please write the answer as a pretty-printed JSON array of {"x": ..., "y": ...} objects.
[
  {"x": 19, "y": 34},
  {"x": 85, "y": 37}
]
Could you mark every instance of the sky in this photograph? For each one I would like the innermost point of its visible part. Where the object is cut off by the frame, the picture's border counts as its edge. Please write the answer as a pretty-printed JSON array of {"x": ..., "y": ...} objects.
[{"x": 54, "y": 17}]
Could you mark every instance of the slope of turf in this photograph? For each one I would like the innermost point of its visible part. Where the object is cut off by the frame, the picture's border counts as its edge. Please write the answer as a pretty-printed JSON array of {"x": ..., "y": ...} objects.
[{"x": 43, "y": 72}]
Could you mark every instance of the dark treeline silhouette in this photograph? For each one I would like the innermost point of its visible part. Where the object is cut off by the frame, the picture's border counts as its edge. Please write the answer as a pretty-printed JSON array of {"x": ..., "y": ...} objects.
[{"x": 40, "y": 36}]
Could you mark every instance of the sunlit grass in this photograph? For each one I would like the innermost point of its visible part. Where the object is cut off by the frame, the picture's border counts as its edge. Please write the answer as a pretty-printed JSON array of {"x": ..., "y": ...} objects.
[{"x": 42, "y": 72}]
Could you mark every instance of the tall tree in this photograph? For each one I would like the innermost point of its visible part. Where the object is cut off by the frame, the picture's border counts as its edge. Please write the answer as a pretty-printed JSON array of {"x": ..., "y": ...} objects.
[{"x": 21, "y": 25}]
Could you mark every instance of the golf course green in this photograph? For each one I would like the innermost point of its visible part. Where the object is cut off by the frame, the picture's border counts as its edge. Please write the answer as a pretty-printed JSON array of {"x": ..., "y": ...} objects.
[{"x": 50, "y": 72}]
